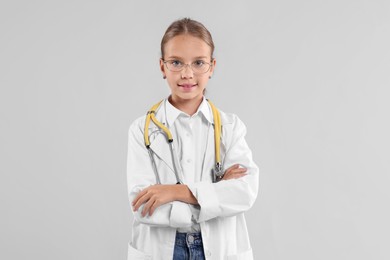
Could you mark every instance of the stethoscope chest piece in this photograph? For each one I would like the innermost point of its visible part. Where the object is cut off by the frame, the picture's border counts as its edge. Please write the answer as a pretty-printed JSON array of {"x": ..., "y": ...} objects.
[{"x": 217, "y": 173}]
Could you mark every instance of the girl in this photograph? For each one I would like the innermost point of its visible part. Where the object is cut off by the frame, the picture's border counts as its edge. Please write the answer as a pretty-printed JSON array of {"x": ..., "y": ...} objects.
[{"x": 196, "y": 210}]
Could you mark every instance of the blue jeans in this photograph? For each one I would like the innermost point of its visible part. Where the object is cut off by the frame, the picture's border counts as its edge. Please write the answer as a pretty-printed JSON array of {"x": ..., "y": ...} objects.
[{"x": 188, "y": 246}]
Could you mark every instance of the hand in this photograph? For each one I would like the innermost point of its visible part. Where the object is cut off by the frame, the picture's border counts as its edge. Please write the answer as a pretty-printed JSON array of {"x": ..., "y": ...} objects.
[
  {"x": 153, "y": 196},
  {"x": 234, "y": 172}
]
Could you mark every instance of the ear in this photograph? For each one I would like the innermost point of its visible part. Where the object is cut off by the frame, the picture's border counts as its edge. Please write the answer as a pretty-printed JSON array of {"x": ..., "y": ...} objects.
[
  {"x": 162, "y": 67},
  {"x": 213, "y": 63}
]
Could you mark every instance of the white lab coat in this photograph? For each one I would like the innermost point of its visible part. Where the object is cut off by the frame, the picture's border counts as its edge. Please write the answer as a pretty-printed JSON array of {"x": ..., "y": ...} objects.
[{"x": 222, "y": 204}]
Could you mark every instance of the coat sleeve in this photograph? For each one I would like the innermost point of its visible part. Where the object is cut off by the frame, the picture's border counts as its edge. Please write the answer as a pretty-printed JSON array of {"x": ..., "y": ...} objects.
[
  {"x": 140, "y": 175},
  {"x": 229, "y": 197}
]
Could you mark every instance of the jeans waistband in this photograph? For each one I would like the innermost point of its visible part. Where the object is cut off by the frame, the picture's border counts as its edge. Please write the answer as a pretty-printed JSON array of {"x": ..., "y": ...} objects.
[{"x": 183, "y": 239}]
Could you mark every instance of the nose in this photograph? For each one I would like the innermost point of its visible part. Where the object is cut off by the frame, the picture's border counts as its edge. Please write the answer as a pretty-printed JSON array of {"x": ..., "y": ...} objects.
[{"x": 187, "y": 72}]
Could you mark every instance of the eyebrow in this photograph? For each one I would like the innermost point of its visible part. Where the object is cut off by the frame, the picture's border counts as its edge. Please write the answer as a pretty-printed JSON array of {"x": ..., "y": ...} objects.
[{"x": 179, "y": 58}]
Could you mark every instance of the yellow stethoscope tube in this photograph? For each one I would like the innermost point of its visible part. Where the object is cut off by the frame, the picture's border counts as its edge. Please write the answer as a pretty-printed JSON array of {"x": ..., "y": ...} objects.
[{"x": 150, "y": 116}]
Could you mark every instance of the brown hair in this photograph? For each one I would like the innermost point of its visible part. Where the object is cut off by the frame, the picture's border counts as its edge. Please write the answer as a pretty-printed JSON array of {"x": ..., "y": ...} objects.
[{"x": 187, "y": 26}]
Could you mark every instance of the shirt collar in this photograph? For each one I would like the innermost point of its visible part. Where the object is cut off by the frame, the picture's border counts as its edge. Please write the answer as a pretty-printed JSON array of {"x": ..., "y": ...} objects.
[{"x": 172, "y": 112}]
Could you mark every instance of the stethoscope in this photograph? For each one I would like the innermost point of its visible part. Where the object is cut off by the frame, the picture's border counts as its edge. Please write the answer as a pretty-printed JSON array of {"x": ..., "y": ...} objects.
[{"x": 217, "y": 172}]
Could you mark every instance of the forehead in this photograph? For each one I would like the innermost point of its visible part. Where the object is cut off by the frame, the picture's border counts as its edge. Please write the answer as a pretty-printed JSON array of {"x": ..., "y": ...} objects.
[{"x": 186, "y": 47}]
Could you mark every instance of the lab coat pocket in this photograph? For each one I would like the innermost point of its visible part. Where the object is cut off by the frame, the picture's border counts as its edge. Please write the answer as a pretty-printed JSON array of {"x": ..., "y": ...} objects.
[
  {"x": 134, "y": 254},
  {"x": 246, "y": 255}
]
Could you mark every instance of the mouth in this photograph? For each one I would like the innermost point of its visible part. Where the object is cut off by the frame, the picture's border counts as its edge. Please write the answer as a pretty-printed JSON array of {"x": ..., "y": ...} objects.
[{"x": 187, "y": 86}]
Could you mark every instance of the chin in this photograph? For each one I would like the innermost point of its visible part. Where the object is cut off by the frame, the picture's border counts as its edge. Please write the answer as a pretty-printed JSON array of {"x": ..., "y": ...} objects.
[{"x": 188, "y": 96}]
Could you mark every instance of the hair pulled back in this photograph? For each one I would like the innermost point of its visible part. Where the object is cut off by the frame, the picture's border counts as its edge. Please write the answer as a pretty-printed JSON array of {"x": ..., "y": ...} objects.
[{"x": 190, "y": 27}]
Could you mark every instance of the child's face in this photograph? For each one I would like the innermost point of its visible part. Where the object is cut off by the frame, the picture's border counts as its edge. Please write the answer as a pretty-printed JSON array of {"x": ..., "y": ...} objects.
[{"x": 186, "y": 49}]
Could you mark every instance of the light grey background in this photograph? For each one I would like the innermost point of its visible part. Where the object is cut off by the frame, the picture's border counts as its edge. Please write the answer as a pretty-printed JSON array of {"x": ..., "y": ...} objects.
[{"x": 310, "y": 79}]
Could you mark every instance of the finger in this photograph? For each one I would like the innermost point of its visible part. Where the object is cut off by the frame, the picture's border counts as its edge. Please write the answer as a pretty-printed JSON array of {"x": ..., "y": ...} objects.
[
  {"x": 147, "y": 207},
  {"x": 139, "y": 195},
  {"x": 234, "y": 167},
  {"x": 231, "y": 168},
  {"x": 239, "y": 170},
  {"x": 153, "y": 208},
  {"x": 141, "y": 201},
  {"x": 234, "y": 176}
]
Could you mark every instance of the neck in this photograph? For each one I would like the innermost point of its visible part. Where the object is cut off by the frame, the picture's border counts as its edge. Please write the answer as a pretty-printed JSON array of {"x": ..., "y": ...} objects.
[{"x": 187, "y": 106}]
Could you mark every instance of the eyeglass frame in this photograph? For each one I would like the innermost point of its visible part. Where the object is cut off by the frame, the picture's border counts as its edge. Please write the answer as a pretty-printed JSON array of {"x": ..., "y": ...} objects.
[{"x": 186, "y": 64}]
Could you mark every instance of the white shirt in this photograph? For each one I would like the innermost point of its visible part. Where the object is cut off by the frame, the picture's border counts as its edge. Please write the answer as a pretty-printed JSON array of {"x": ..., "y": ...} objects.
[{"x": 190, "y": 139}]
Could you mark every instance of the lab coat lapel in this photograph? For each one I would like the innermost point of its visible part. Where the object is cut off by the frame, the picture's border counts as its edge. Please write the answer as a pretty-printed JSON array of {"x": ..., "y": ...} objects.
[
  {"x": 158, "y": 141},
  {"x": 161, "y": 149},
  {"x": 209, "y": 155}
]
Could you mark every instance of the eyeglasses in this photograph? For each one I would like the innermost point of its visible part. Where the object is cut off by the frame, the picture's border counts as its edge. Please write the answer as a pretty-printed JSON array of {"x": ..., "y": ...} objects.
[{"x": 198, "y": 67}]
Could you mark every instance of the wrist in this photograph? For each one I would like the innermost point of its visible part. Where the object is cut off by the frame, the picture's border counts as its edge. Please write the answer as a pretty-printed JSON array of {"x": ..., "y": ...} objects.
[
  {"x": 180, "y": 191},
  {"x": 185, "y": 195}
]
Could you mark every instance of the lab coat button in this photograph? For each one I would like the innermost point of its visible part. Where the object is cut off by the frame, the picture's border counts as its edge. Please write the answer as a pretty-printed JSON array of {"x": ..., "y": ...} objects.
[
  {"x": 189, "y": 160},
  {"x": 208, "y": 253}
]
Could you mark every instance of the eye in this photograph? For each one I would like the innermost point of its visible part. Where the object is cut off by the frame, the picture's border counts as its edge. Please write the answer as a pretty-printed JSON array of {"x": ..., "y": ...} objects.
[
  {"x": 176, "y": 63},
  {"x": 199, "y": 63}
]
